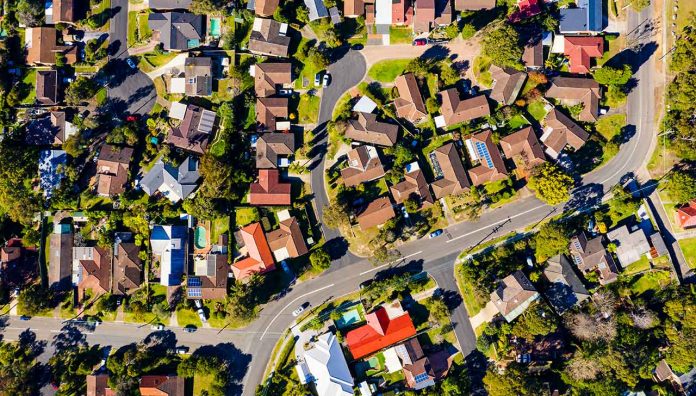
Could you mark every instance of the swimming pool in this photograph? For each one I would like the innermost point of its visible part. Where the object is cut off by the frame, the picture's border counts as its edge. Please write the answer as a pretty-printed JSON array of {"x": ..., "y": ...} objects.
[
  {"x": 199, "y": 239},
  {"x": 215, "y": 27},
  {"x": 348, "y": 318}
]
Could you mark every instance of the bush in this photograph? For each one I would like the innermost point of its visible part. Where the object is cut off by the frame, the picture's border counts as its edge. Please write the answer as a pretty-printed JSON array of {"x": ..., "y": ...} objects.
[{"x": 468, "y": 31}]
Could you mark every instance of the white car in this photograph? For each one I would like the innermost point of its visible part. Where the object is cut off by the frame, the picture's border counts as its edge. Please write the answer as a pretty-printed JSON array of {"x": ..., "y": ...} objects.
[
  {"x": 157, "y": 327},
  {"x": 317, "y": 79},
  {"x": 201, "y": 314},
  {"x": 300, "y": 309},
  {"x": 327, "y": 80},
  {"x": 285, "y": 92}
]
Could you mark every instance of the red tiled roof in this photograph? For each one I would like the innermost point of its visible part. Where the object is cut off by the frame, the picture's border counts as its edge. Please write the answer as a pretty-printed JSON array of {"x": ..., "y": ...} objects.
[
  {"x": 379, "y": 332},
  {"x": 579, "y": 50},
  {"x": 527, "y": 9},
  {"x": 686, "y": 215},
  {"x": 260, "y": 259},
  {"x": 269, "y": 190}
]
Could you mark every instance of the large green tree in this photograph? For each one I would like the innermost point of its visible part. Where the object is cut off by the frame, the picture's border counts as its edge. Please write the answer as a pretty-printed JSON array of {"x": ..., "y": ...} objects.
[
  {"x": 681, "y": 186},
  {"x": 551, "y": 183},
  {"x": 502, "y": 45},
  {"x": 607, "y": 75},
  {"x": 552, "y": 239}
]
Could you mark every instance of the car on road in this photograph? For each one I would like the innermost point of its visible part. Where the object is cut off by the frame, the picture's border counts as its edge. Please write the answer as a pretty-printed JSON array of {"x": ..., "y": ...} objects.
[
  {"x": 131, "y": 64},
  {"x": 157, "y": 327},
  {"x": 357, "y": 47},
  {"x": 317, "y": 79},
  {"x": 366, "y": 284},
  {"x": 182, "y": 350},
  {"x": 435, "y": 234},
  {"x": 300, "y": 309},
  {"x": 326, "y": 80},
  {"x": 201, "y": 315},
  {"x": 24, "y": 317},
  {"x": 190, "y": 329},
  {"x": 420, "y": 41}
]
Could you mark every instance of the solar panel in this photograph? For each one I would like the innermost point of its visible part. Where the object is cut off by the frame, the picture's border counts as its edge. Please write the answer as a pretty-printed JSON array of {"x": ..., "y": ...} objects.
[
  {"x": 422, "y": 377},
  {"x": 483, "y": 153},
  {"x": 194, "y": 282},
  {"x": 195, "y": 292},
  {"x": 205, "y": 125}
]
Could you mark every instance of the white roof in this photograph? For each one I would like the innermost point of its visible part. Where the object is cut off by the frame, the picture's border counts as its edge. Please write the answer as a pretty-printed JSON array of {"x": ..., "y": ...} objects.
[
  {"x": 283, "y": 215},
  {"x": 470, "y": 148},
  {"x": 177, "y": 111},
  {"x": 365, "y": 105},
  {"x": 558, "y": 46},
  {"x": 329, "y": 368},
  {"x": 383, "y": 12},
  {"x": 283, "y": 125},
  {"x": 281, "y": 254},
  {"x": 258, "y": 22},
  {"x": 440, "y": 121},
  {"x": 365, "y": 389},
  {"x": 177, "y": 85},
  {"x": 391, "y": 360}
]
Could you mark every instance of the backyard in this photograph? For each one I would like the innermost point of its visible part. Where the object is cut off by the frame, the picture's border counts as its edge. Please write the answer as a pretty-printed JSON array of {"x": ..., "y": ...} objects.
[
  {"x": 387, "y": 70},
  {"x": 537, "y": 110},
  {"x": 688, "y": 247},
  {"x": 651, "y": 281}
]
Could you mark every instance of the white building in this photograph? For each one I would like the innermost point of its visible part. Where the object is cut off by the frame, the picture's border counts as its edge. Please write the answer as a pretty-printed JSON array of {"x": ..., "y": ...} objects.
[{"x": 326, "y": 366}]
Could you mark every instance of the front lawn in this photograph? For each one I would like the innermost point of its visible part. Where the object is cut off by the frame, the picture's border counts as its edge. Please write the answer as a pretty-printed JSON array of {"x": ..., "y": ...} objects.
[
  {"x": 188, "y": 317},
  {"x": 472, "y": 302},
  {"x": 688, "y": 247},
  {"x": 202, "y": 383},
  {"x": 610, "y": 126},
  {"x": 537, "y": 110},
  {"x": 400, "y": 35},
  {"x": 308, "y": 109},
  {"x": 152, "y": 61},
  {"x": 388, "y": 70},
  {"x": 27, "y": 88}
]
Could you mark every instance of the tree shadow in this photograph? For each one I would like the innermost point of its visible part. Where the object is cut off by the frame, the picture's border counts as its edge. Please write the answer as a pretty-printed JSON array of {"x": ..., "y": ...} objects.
[
  {"x": 236, "y": 360},
  {"x": 161, "y": 341},
  {"x": 336, "y": 248},
  {"x": 27, "y": 341},
  {"x": 585, "y": 197},
  {"x": 409, "y": 268},
  {"x": 70, "y": 336}
]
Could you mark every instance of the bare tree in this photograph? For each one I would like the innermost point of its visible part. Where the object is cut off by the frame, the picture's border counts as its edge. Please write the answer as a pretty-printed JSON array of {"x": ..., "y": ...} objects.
[
  {"x": 582, "y": 369},
  {"x": 605, "y": 302},
  {"x": 589, "y": 328},
  {"x": 643, "y": 318}
]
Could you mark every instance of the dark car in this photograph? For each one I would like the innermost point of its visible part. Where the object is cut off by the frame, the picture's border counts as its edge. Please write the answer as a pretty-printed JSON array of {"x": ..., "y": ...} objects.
[
  {"x": 435, "y": 234},
  {"x": 24, "y": 317},
  {"x": 357, "y": 47},
  {"x": 190, "y": 329}
]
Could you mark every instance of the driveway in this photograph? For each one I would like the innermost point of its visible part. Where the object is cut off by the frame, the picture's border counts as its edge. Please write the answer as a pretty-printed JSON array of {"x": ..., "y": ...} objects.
[{"x": 176, "y": 63}]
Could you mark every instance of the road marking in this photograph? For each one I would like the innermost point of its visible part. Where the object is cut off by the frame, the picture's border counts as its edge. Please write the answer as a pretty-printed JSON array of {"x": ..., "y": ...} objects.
[
  {"x": 496, "y": 223},
  {"x": 390, "y": 263},
  {"x": 290, "y": 303}
]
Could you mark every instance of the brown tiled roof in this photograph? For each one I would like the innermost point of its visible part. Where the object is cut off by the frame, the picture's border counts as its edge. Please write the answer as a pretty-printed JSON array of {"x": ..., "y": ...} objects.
[
  {"x": 194, "y": 131},
  {"x": 513, "y": 291},
  {"x": 424, "y": 15},
  {"x": 96, "y": 272},
  {"x": 267, "y": 76},
  {"x": 454, "y": 179},
  {"x": 413, "y": 184},
  {"x": 455, "y": 110},
  {"x": 271, "y": 145},
  {"x": 64, "y": 11},
  {"x": 266, "y": 8},
  {"x": 409, "y": 104},
  {"x": 366, "y": 128},
  {"x": 112, "y": 169},
  {"x": 663, "y": 372},
  {"x": 362, "y": 167},
  {"x": 47, "y": 86},
  {"x": 260, "y": 259},
  {"x": 443, "y": 12},
  {"x": 485, "y": 173},
  {"x": 213, "y": 282},
  {"x": 268, "y": 109},
  {"x": 376, "y": 213},
  {"x": 289, "y": 238},
  {"x": 525, "y": 143},
  {"x": 267, "y": 40},
  {"x": 561, "y": 131},
  {"x": 533, "y": 55},
  {"x": 269, "y": 190},
  {"x": 97, "y": 385},
  {"x": 473, "y": 5},
  {"x": 353, "y": 8},
  {"x": 590, "y": 255},
  {"x": 161, "y": 385},
  {"x": 128, "y": 271},
  {"x": 573, "y": 90},
  {"x": 44, "y": 47},
  {"x": 507, "y": 84}
]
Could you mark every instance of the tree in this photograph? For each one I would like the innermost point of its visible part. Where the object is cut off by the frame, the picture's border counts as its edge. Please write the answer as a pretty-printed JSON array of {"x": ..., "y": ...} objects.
[
  {"x": 510, "y": 383},
  {"x": 615, "y": 96},
  {"x": 316, "y": 58},
  {"x": 456, "y": 383},
  {"x": 535, "y": 321},
  {"x": 320, "y": 260},
  {"x": 681, "y": 186},
  {"x": 622, "y": 204},
  {"x": 18, "y": 167},
  {"x": 581, "y": 368},
  {"x": 607, "y": 75},
  {"x": 432, "y": 106},
  {"x": 34, "y": 299},
  {"x": 80, "y": 90},
  {"x": 681, "y": 92},
  {"x": 411, "y": 205},
  {"x": 502, "y": 46},
  {"x": 19, "y": 371},
  {"x": 683, "y": 58},
  {"x": 302, "y": 14},
  {"x": 418, "y": 66},
  {"x": 588, "y": 328},
  {"x": 73, "y": 146},
  {"x": 336, "y": 215},
  {"x": 468, "y": 31},
  {"x": 639, "y": 5},
  {"x": 452, "y": 31},
  {"x": 70, "y": 367},
  {"x": 551, "y": 183},
  {"x": 204, "y": 7},
  {"x": 552, "y": 239},
  {"x": 448, "y": 75},
  {"x": 382, "y": 255},
  {"x": 30, "y": 12},
  {"x": 124, "y": 134}
]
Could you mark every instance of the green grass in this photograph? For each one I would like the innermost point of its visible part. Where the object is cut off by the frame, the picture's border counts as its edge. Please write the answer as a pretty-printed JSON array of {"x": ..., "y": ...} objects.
[
  {"x": 29, "y": 81},
  {"x": 152, "y": 61},
  {"x": 481, "y": 72},
  {"x": 218, "y": 148},
  {"x": 101, "y": 96},
  {"x": 651, "y": 281},
  {"x": 639, "y": 266},
  {"x": 388, "y": 70},
  {"x": 221, "y": 225},
  {"x": 400, "y": 35},
  {"x": 517, "y": 121},
  {"x": 610, "y": 126},
  {"x": 688, "y": 247},
  {"x": 537, "y": 110},
  {"x": 143, "y": 27},
  {"x": 132, "y": 36},
  {"x": 342, "y": 102},
  {"x": 308, "y": 109},
  {"x": 202, "y": 383},
  {"x": 188, "y": 317},
  {"x": 246, "y": 215},
  {"x": 473, "y": 304}
]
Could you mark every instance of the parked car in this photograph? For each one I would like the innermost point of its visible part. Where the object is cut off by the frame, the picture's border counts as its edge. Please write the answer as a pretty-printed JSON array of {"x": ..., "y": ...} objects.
[
  {"x": 132, "y": 118},
  {"x": 420, "y": 41},
  {"x": 24, "y": 317},
  {"x": 317, "y": 79},
  {"x": 327, "y": 80},
  {"x": 435, "y": 234},
  {"x": 190, "y": 329},
  {"x": 182, "y": 350},
  {"x": 198, "y": 303},
  {"x": 131, "y": 64},
  {"x": 285, "y": 92},
  {"x": 157, "y": 327},
  {"x": 365, "y": 284},
  {"x": 300, "y": 309},
  {"x": 201, "y": 314}
]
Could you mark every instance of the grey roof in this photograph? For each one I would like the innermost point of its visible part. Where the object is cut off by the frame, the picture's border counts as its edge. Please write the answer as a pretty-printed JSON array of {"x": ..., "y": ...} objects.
[
  {"x": 317, "y": 9},
  {"x": 631, "y": 244},
  {"x": 178, "y": 30},
  {"x": 566, "y": 289},
  {"x": 170, "y": 4},
  {"x": 182, "y": 180},
  {"x": 659, "y": 244},
  {"x": 587, "y": 17}
]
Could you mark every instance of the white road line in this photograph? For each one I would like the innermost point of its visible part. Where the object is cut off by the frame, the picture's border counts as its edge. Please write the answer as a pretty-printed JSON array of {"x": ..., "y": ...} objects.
[
  {"x": 290, "y": 303},
  {"x": 384, "y": 265},
  {"x": 494, "y": 224}
]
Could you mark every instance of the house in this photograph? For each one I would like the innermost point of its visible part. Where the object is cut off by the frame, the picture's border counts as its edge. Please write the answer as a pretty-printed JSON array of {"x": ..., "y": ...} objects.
[
  {"x": 51, "y": 173},
  {"x": 409, "y": 104},
  {"x": 47, "y": 87},
  {"x": 353, "y": 8},
  {"x": 11, "y": 252},
  {"x": 367, "y": 129},
  {"x": 60, "y": 258},
  {"x": 169, "y": 244},
  {"x": 61, "y": 11},
  {"x": 269, "y": 190},
  {"x": 574, "y": 90},
  {"x": 590, "y": 256},
  {"x": 177, "y": 31},
  {"x": 112, "y": 169},
  {"x": 325, "y": 365},
  {"x": 269, "y": 76},
  {"x": 259, "y": 259},
  {"x": 566, "y": 289},
  {"x": 586, "y": 18},
  {"x": 265, "y": 8},
  {"x": 175, "y": 183},
  {"x": 128, "y": 269},
  {"x": 386, "y": 326},
  {"x": 449, "y": 169},
  {"x": 268, "y": 110},
  {"x": 491, "y": 166},
  {"x": 98, "y": 385},
  {"x": 364, "y": 165},
  {"x": 631, "y": 244},
  {"x": 376, "y": 213},
  {"x": 169, "y": 4},
  {"x": 270, "y": 147},
  {"x": 49, "y": 129},
  {"x": 287, "y": 241},
  {"x": 209, "y": 278},
  {"x": 560, "y": 131},
  {"x": 196, "y": 79},
  {"x": 161, "y": 385},
  {"x": 92, "y": 270},
  {"x": 533, "y": 54},
  {"x": 513, "y": 295},
  {"x": 580, "y": 51},
  {"x": 526, "y": 9},
  {"x": 413, "y": 186},
  {"x": 269, "y": 37},
  {"x": 523, "y": 144},
  {"x": 317, "y": 9},
  {"x": 194, "y": 131},
  {"x": 474, "y": 5},
  {"x": 664, "y": 373},
  {"x": 507, "y": 84},
  {"x": 421, "y": 370},
  {"x": 455, "y": 110},
  {"x": 42, "y": 47},
  {"x": 430, "y": 14},
  {"x": 686, "y": 215}
]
